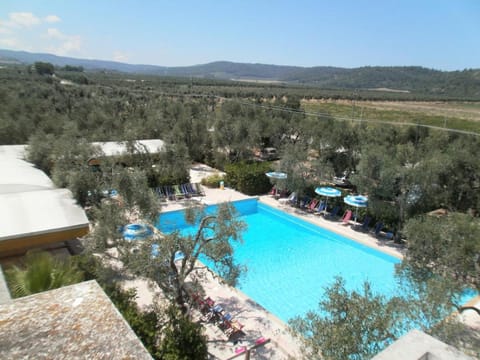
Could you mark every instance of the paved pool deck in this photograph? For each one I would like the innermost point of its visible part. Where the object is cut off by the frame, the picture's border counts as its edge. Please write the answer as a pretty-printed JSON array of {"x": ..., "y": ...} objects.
[{"x": 257, "y": 321}]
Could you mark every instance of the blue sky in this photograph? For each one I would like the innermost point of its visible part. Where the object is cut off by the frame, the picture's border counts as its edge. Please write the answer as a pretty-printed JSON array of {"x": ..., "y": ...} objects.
[{"x": 440, "y": 34}]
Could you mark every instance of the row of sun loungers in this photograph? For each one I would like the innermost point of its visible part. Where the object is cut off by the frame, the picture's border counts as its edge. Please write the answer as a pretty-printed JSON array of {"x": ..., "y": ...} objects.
[
  {"x": 178, "y": 192},
  {"x": 318, "y": 207},
  {"x": 214, "y": 313}
]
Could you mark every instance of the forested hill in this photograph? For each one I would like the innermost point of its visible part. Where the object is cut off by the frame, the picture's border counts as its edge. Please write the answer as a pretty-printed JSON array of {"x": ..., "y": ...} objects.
[{"x": 458, "y": 84}]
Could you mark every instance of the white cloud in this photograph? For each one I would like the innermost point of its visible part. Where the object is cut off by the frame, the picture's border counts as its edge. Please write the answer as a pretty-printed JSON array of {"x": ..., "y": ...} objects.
[
  {"x": 51, "y": 19},
  {"x": 25, "y": 31},
  {"x": 73, "y": 44},
  {"x": 67, "y": 43},
  {"x": 4, "y": 30},
  {"x": 10, "y": 42},
  {"x": 23, "y": 19},
  {"x": 119, "y": 56},
  {"x": 55, "y": 33}
]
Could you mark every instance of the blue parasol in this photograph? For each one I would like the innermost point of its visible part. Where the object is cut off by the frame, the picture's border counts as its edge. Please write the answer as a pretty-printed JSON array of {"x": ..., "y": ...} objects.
[
  {"x": 328, "y": 191},
  {"x": 357, "y": 201},
  {"x": 136, "y": 231},
  {"x": 278, "y": 175}
]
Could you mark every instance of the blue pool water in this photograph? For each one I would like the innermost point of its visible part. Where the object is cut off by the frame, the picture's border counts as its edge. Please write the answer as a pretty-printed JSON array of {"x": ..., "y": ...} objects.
[{"x": 290, "y": 261}]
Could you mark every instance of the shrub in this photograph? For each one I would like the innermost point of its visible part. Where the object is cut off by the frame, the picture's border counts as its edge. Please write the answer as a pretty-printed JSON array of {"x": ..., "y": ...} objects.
[
  {"x": 143, "y": 323},
  {"x": 213, "y": 181},
  {"x": 249, "y": 178},
  {"x": 183, "y": 338},
  {"x": 41, "y": 272}
]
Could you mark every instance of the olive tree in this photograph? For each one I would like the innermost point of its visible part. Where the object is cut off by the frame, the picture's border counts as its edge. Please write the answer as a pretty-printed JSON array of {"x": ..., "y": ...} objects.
[
  {"x": 156, "y": 257},
  {"x": 447, "y": 245},
  {"x": 357, "y": 324}
]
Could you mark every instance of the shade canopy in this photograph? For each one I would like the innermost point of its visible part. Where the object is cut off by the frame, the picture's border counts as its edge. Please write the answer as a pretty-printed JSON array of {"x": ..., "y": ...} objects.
[
  {"x": 356, "y": 200},
  {"x": 328, "y": 191},
  {"x": 277, "y": 175},
  {"x": 136, "y": 231}
]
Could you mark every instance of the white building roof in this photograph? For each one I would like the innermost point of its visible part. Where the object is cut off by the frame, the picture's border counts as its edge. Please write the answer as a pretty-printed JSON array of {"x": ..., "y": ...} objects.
[
  {"x": 114, "y": 148},
  {"x": 416, "y": 345},
  {"x": 39, "y": 212},
  {"x": 18, "y": 176},
  {"x": 29, "y": 202}
]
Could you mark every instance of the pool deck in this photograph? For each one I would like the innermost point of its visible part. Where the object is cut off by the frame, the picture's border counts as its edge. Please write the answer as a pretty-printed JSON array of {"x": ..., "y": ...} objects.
[{"x": 257, "y": 321}]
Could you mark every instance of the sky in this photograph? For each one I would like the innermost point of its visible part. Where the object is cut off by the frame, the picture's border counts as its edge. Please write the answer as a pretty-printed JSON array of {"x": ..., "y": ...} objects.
[{"x": 438, "y": 34}]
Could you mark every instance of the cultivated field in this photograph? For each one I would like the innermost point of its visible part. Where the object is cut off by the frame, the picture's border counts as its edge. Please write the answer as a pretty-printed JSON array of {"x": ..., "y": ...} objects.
[{"x": 455, "y": 115}]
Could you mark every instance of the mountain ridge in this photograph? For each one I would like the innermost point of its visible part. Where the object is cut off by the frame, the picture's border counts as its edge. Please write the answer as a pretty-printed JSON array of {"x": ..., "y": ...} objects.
[{"x": 404, "y": 78}]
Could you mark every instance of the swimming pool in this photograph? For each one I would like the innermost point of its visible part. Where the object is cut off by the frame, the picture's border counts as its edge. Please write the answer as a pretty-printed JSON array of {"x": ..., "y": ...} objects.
[{"x": 290, "y": 261}]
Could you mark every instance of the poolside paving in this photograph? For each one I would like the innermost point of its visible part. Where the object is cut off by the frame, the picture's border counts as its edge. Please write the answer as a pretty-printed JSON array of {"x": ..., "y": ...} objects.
[{"x": 257, "y": 321}]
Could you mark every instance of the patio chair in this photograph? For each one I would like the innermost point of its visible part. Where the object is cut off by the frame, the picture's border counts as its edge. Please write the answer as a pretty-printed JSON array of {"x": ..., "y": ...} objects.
[{"x": 347, "y": 217}]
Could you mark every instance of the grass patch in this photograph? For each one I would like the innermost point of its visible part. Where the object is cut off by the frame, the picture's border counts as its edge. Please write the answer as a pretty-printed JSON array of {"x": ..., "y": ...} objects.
[{"x": 359, "y": 111}]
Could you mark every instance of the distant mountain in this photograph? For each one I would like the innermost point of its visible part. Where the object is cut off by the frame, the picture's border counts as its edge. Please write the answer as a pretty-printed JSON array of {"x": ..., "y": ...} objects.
[{"x": 415, "y": 79}]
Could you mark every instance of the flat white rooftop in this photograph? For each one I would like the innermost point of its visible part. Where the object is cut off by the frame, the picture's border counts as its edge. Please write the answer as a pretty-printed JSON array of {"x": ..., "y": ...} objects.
[
  {"x": 31, "y": 205},
  {"x": 39, "y": 212},
  {"x": 416, "y": 345},
  {"x": 116, "y": 148}
]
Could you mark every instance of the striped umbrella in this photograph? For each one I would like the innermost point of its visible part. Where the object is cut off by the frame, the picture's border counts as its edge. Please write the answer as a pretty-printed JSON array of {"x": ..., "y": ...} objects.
[
  {"x": 136, "y": 231},
  {"x": 357, "y": 201},
  {"x": 278, "y": 175},
  {"x": 328, "y": 191}
]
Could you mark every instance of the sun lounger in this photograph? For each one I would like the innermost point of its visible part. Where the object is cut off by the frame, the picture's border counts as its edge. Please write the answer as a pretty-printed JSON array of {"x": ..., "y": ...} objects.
[
  {"x": 213, "y": 315},
  {"x": 366, "y": 222},
  {"x": 347, "y": 217},
  {"x": 160, "y": 193},
  {"x": 169, "y": 192},
  {"x": 332, "y": 214},
  {"x": 320, "y": 209},
  {"x": 224, "y": 322},
  {"x": 199, "y": 189},
  {"x": 312, "y": 205},
  {"x": 291, "y": 199},
  {"x": 178, "y": 192},
  {"x": 184, "y": 189},
  {"x": 304, "y": 202},
  {"x": 378, "y": 228},
  {"x": 234, "y": 328},
  {"x": 240, "y": 350}
]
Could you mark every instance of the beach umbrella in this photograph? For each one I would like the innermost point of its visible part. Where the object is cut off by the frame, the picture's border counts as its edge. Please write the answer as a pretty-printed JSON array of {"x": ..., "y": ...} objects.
[
  {"x": 327, "y": 191},
  {"x": 136, "y": 231},
  {"x": 277, "y": 175},
  {"x": 357, "y": 201}
]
